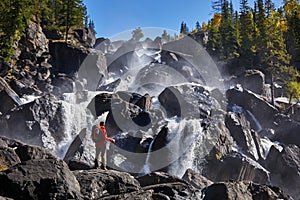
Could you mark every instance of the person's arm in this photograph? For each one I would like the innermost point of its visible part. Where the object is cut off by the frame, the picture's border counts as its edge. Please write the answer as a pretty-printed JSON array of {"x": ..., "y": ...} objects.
[{"x": 105, "y": 135}]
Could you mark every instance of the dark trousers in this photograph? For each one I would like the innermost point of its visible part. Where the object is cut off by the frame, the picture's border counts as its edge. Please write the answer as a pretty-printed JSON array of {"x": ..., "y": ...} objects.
[{"x": 100, "y": 156}]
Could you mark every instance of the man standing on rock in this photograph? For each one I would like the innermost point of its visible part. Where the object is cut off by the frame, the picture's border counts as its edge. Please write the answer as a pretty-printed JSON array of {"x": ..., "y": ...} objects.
[{"x": 100, "y": 138}]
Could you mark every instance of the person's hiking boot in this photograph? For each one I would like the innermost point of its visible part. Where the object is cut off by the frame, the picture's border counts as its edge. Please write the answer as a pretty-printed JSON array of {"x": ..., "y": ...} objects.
[
  {"x": 103, "y": 167},
  {"x": 96, "y": 166}
]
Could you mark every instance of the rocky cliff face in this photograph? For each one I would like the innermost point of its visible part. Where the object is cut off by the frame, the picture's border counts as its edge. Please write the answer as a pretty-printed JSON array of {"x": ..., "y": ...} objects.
[{"x": 237, "y": 145}]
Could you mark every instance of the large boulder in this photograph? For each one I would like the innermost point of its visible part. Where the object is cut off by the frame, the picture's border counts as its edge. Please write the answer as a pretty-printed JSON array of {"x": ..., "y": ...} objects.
[
  {"x": 126, "y": 113},
  {"x": 171, "y": 186},
  {"x": 38, "y": 122},
  {"x": 158, "y": 178},
  {"x": 85, "y": 36},
  {"x": 234, "y": 166},
  {"x": 97, "y": 184},
  {"x": 240, "y": 130},
  {"x": 243, "y": 190},
  {"x": 285, "y": 168},
  {"x": 89, "y": 65},
  {"x": 27, "y": 152},
  {"x": 7, "y": 103},
  {"x": 264, "y": 112},
  {"x": 186, "y": 101},
  {"x": 287, "y": 132},
  {"x": 103, "y": 44},
  {"x": 253, "y": 80},
  {"x": 39, "y": 179},
  {"x": 196, "y": 180}
]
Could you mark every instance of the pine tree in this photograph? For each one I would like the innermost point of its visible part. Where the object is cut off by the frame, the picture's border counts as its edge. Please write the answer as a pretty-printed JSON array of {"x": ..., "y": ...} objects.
[
  {"x": 227, "y": 31},
  {"x": 217, "y": 6},
  {"x": 214, "y": 44},
  {"x": 198, "y": 27},
  {"x": 137, "y": 34},
  {"x": 261, "y": 36},
  {"x": 183, "y": 29},
  {"x": 237, "y": 35},
  {"x": 269, "y": 7},
  {"x": 51, "y": 14},
  {"x": 165, "y": 36},
  {"x": 13, "y": 21},
  {"x": 261, "y": 20},
  {"x": 276, "y": 55},
  {"x": 247, "y": 50},
  {"x": 292, "y": 15},
  {"x": 91, "y": 26}
]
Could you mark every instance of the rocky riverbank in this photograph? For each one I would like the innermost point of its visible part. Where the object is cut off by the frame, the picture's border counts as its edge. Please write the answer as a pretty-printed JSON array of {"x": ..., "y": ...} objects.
[{"x": 31, "y": 172}]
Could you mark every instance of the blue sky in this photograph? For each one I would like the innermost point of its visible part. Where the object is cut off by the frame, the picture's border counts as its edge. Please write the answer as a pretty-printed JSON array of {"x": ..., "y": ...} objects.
[{"x": 112, "y": 17}]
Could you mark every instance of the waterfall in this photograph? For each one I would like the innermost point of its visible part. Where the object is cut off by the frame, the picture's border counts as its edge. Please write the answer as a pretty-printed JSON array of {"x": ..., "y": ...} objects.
[
  {"x": 257, "y": 124},
  {"x": 184, "y": 136},
  {"x": 76, "y": 117},
  {"x": 147, "y": 166}
]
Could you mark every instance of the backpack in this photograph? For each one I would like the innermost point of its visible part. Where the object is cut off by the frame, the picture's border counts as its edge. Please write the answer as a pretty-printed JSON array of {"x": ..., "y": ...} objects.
[{"x": 97, "y": 136}]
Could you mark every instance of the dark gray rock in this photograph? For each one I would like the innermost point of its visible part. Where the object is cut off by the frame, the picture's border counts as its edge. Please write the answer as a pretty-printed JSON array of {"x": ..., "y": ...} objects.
[
  {"x": 76, "y": 146},
  {"x": 139, "y": 195},
  {"x": 240, "y": 130},
  {"x": 27, "y": 152},
  {"x": 110, "y": 87},
  {"x": 243, "y": 190},
  {"x": 168, "y": 185},
  {"x": 4, "y": 67},
  {"x": 176, "y": 190},
  {"x": 78, "y": 165},
  {"x": 261, "y": 109},
  {"x": 160, "y": 141},
  {"x": 85, "y": 36},
  {"x": 234, "y": 166},
  {"x": 39, "y": 179},
  {"x": 67, "y": 59},
  {"x": 253, "y": 80},
  {"x": 89, "y": 65},
  {"x": 158, "y": 178},
  {"x": 97, "y": 184},
  {"x": 284, "y": 167},
  {"x": 7, "y": 104},
  {"x": 223, "y": 145},
  {"x": 124, "y": 112},
  {"x": 8, "y": 158},
  {"x": 196, "y": 180},
  {"x": 62, "y": 84},
  {"x": 53, "y": 34},
  {"x": 287, "y": 132},
  {"x": 34, "y": 43},
  {"x": 103, "y": 44},
  {"x": 33, "y": 122},
  {"x": 186, "y": 101}
]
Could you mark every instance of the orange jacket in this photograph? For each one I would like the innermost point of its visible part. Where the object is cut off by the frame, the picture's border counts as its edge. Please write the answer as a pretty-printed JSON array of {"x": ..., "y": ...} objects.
[{"x": 102, "y": 143}]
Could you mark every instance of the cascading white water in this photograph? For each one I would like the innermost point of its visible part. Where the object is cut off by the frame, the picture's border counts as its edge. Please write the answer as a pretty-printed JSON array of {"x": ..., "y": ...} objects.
[
  {"x": 76, "y": 117},
  {"x": 187, "y": 134},
  {"x": 257, "y": 124},
  {"x": 147, "y": 166}
]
